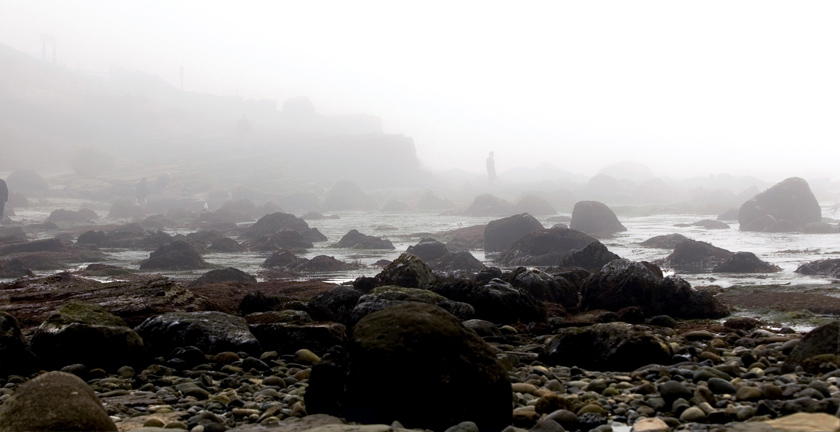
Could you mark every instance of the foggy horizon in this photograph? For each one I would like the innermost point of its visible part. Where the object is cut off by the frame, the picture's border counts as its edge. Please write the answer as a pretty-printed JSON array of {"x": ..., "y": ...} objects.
[{"x": 686, "y": 90}]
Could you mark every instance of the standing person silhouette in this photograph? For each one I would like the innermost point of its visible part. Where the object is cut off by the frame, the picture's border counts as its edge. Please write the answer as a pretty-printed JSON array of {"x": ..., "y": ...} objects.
[
  {"x": 4, "y": 196},
  {"x": 491, "y": 170}
]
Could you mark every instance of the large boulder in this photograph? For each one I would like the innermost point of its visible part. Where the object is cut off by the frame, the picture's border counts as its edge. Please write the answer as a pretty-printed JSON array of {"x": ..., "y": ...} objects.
[
  {"x": 592, "y": 257},
  {"x": 457, "y": 261},
  {"x": 696, "y": 256},
  {"x": 445, "y": 373},
  {"x": 745, "y": 262},
  {"x": 623, "y": 283},
  {"x": 544, "y": 247},
  {"x": 790, "y": 200},
  {"x": 821, "y": 340},
  {"x": 87, "y": 334},
  {"x": 55, "y": 401},
  {"x": 13, "y": 269},
  {"x": 346, "y": 195},
  {"x": 177, "y": 255},
  {"x": 26, "y": 181},
  {"x": 356, "y": 240},
  {"x": 210, "y": 331},
  {"x": 406, "y": 271},
  {"x": 607, "y": 347},
  {"x": 595, "y": 218},
  {"x": 488, "y": 205},
  {"x": 282, "y": 239},
  {"x": 269, "y": 224},
  {"x": 496, "y": 301},
  {"x": 501, "y": 233}
]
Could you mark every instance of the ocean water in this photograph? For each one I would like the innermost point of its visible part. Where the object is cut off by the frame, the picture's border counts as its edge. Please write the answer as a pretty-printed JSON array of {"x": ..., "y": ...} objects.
[{"x": 787, "y": 250}]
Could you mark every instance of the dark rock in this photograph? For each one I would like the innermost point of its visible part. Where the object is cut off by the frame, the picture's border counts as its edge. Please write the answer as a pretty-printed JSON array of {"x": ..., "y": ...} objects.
[
  {"x": 133, "y": 301},
  {"x": 428, "y": 249},
  {"x": 282, "y": 258},
  {"x": 177, "y": 255},
  {"x": 334, "y": 305},
  {"x": 282, "y": 239},
  {"x": 269, "y": 224},
  {"x": 406, "y": 271},
  {"x": 607, "y": 347},
  {"x": 345, "y": 195},
  {"x": 692, "y": 255},
  {"x": 711, "y": 224},
  {"x": 87, "y": 334},
  {"x": 55, "y": 401},
  {"x": 356, "y": 240},
  {"x": 319, "y": 264},
  {"x": 446, "y": 372},
  {"x": 824, "y": 339},
  {"x": 631, "y": 314},
  {"x": 212, "y": 332},
  {"x": 790, "y": 200},
  {"x": 13, "y": 269},
  {"x": 495, "y": 301},
  {"x": 534, "y": 205},
  {"x": 483, "y": 328},
  {"x": 82, "y": 215},
  {"x": 623, "y": 283},
  {"x": 258, "y": 302},
  {"x": 592, "y": 257},
  {"x": 745, "y": 262},
  {"x": 226, "y": 245},
  {"x": 668, "y": 241},
  {"x": 662, "y": 321},
  {"x": 288, "y": 338},
  {"x": 488, "y": 205},
  {"x": 227, "y": 274},
  {"x": 826, "y": 267},
  {"x": 673, "y": 390},
  {"x": 313, "y": 235},
  {"x": 47, "y": 245},
  {"x": 544, "y": 248},
  {"x": 385, "y": 296},
  {"x": 125, "y": 236},
  {"x": 741, "y": 323},
  {"x": 15, "y": 356},
  {"x": 546, "y": 287},
  {"x": 595, "y": 218},
  {"x": 501, "y": 233},
  {"x": 457, "y": 261}
]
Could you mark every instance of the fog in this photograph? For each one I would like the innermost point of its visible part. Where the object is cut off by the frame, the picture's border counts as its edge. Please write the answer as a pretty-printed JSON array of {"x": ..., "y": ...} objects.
[{"x": 416, "y": 95}]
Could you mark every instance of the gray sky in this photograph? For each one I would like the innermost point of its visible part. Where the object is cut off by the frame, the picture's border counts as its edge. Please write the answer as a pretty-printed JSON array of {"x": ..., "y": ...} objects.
[{"x": 686, "y": 88}]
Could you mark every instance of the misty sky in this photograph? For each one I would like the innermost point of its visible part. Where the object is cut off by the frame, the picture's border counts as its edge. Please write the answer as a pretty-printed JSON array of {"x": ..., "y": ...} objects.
[{"x": 686, "y": 88}]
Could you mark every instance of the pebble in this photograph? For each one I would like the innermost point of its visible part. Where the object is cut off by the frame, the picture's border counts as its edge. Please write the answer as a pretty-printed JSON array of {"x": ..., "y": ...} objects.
[
  {"x": 650, "y": 425},
  {"x": 692, "y": 414}
]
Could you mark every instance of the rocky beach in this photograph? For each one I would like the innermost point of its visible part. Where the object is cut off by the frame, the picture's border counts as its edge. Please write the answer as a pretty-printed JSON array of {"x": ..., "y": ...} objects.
[{"x": 549, "y": 330}]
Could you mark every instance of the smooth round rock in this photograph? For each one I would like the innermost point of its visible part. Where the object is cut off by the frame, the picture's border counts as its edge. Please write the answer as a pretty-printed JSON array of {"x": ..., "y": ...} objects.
[
  {"x": 692, "y": 414},
  {"x": 650, "y": 425}
]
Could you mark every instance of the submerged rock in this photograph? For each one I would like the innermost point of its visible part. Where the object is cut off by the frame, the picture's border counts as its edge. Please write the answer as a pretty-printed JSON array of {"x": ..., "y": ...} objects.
[
  {"x": 693, "y": 255},
  {"x": 667, "y": 241},
  {"x": 177, "y": 255}
]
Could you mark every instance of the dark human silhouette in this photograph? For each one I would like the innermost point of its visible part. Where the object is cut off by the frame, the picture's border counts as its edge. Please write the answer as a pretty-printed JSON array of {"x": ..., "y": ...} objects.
[
  {"x": 491, "y": 170},
  {"x": 4, "y": 196},
  {"x": 141, "y": 190}
]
